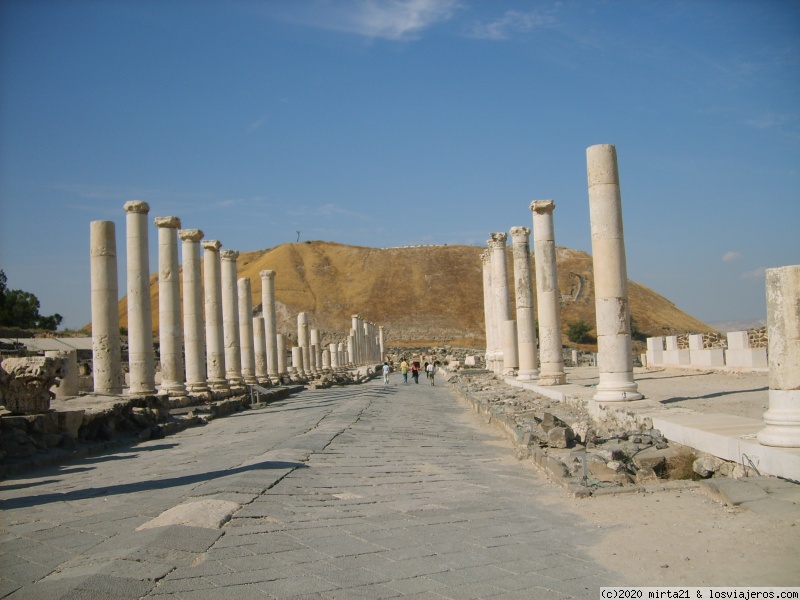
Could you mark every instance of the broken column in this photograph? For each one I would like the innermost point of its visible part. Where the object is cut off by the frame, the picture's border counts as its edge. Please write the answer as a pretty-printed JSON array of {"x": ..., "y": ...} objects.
[
  {"x": 106, "y": 354},
  {"x": 500, "y": 300},
  {"x": 782, "y": 419},
  {"x": 334, "y": 350},
  {"x": 548, "y": 295},
  {"x": 215, "y": 347},
  {"x": 230, "y": 320},
  {"x": 246, "y": 342},
  {"x": 67, "y": 386},
  {"x": 610, "y": 277},
  {"x": 526, "y": 322},
  {"x": 270, "y": 332},
  {"x": 281, "y": 356},
  {"x": 194, "y": 341},
  {"x": 141, "y": 356},
  {"x": 170, "y": 330}
]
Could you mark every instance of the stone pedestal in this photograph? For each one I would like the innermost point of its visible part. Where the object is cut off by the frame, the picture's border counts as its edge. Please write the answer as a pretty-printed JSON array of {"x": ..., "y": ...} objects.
[
  {"x": 526, "y": 322},
  {"x": 783, "y": 330},
  {"x": 215, "y": 347},
  {"x": 260, "y": 351},
  {"x": 610, "y": 277},
  {"x": 548, "y": 295},
  {"x": 246, "y": 343},
  {"x": 500, "y": 301},
  {"x": 230, "y": 321},
  {"x": 655, "y": 351},
  {"x": 106, "y": 353},
  {"x": 141, "y": 355},
  {"x": 270, "y": 331},
  {"x": 170, "y": 330},
  {"x": 740, "y": 355},
  {"x": 194, "y": 334},
  {"x": 673, "y": 355},
  {"x": 68, "y": 373},
  {"x": 704, "y": 357}
]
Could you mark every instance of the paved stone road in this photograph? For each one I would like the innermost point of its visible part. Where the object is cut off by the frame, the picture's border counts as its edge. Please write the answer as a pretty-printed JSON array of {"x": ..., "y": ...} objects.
[{"x": 366, "y": 491}]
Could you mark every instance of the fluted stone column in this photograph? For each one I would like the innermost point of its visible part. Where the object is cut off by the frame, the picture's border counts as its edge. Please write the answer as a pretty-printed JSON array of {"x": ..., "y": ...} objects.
[
  {"x": 610, "y": 277},
  {"x": 488, "y": 306},
  {"x": 281, "y": 356},
  {"x": 170, "y": 330},
  {"x": 783, "y": 329},
  {"x": 526, "y": 322},
  {"x": 260, "y": 350},
  {"x": 246, "y": 342},
  {"x": 501, "y": 301},
  {"x": 215, "y": 347},
  {"x": 510, "y": 352},
  {"x": 106, "y": 353},
  {"x": 230, "y": 320},
  {"x": 141, "y": 356},
  {"x": 194, "y": 335},
  {"x": 270, "y": 331},
  {"x": 548, "y": 295}
]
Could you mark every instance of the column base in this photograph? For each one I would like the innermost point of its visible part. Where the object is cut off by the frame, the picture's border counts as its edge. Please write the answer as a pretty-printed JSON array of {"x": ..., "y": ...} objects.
[
  {"x": 173, "y": 390},
  {"x": 250, "y": 380},
  {"x": 782, "y": 420},
  {"x": 531, "y": 375},
  {"x": 219, "y": 388},
  {"x": 142, "y": 391},
  {"x": 552, "y": 378}
]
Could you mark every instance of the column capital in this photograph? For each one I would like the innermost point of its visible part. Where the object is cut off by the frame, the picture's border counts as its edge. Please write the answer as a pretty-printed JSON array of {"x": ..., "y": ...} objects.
[
  {"x": 137, "y": 206},
  {"x": 190, "y": 235},
  {"x": 167, "y": 222},
  {"x": 520, "y": 233},
  {"x": 267, "y": 274},
  {"x": 497, "y": 239},
  {"x": 543, "y": 207},
  {"x": 229, "y": 254},
  {"x": 212, "y": 245},
  {"x": 486, "y": 256}
]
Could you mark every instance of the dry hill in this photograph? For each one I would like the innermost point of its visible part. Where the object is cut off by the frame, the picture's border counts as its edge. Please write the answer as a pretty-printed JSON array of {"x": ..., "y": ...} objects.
[{"x": 422, "y": 295}]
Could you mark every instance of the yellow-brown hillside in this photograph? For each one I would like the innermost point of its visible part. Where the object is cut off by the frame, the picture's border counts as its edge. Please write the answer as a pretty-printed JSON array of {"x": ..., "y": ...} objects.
[{"x": 422, "y": 295}]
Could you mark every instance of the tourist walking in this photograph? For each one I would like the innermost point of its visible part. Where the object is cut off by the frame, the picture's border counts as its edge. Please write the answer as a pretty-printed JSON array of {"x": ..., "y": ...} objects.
[
  {"x": 415, "y": 371},
  {"x": 430, "y": 368},
  {"x": 404, "y": 370},
  {"x": 386, "y": 373}
]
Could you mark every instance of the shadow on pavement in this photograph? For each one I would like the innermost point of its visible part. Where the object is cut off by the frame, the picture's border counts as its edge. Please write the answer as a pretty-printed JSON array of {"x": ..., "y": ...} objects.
[{"x": 714, "y": 395}]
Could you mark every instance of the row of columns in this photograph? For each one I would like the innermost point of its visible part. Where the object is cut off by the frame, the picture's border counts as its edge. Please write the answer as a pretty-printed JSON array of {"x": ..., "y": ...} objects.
[
  {"x": 511, "y": 345},
  {"x": 224, "y": 345}
]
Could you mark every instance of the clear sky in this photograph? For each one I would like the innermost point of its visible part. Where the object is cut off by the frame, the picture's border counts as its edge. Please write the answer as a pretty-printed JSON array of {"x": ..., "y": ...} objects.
[{"x": 388, "y": 123}]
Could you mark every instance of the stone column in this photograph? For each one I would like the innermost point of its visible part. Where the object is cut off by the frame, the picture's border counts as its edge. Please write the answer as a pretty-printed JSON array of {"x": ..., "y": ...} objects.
[
  {"x": 260, "y": 350},
  {"x": 382, "y": 342},
  {"x": 297, "y": 361},
  {"x": 194, "y": 335},
  {"x": 334, "y": 350},
  {"x": 215, "y": 347},
  {"x": 106, "y": 353},
  {"x": 280, "y": 361},
  {"x": 270, "y": 332},
  {"x": 783, "y": 329},
  {"x": 610, "y": 277},
  {"x": 501, "y": 302},
  {"x": 315, "y": 351},
  {"x": 68, "y": 386},
  {"x": 526, "y": 322},
  {"x": 230, "y": 321},
  {"x": 357, "y": 331},
  {"x": 548, "y": 295},
  {"x": 351, "y": 344},
  {"x": 488, "y": 306},
  {"x": 246, "y": 342},
  {"x": 141, "y": 356},
  {"x": 510, "y": 352},
  {"x": 302, "y": 341},
  {"x": 170, "y": 331},
  {"x": 326, "y": 360},
  {"x": 342, "y": 352}
]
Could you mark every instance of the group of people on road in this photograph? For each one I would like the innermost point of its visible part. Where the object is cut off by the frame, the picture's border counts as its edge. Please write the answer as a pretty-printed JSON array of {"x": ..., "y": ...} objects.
[{"x": 414, "y": 368}]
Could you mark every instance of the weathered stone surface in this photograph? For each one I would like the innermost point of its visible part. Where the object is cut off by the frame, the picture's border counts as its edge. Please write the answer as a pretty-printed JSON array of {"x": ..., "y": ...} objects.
[
  {"x": 25, "y": 383},
  {"x": 560, "y": 437},
  {"x": 707, "y": 465}
]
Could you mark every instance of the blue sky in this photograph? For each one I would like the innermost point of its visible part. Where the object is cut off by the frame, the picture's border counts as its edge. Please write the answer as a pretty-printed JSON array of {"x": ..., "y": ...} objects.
[{"x": 403, "y": 122}]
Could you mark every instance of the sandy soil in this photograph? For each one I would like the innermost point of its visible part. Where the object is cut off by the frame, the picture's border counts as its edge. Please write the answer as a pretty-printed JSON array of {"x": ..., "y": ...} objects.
[{"x": 684, "y": 536}]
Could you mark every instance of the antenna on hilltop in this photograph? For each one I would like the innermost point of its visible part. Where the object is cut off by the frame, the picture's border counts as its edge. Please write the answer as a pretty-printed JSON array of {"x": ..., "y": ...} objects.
[{"x": 298, "y": 236}]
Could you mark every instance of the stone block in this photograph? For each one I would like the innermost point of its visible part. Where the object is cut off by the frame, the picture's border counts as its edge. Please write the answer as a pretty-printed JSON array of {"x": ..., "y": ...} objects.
[
  {"x": 748, "y": 358},
  {"x": 25, "y": 383},
  {"x": 676, "y": 357},
  {"x": 707, "y": 358},
  {"x": 738, "y": 340}
]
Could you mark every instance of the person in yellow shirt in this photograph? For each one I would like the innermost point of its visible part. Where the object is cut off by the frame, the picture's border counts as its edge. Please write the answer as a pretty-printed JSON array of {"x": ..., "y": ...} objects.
[{"x": 404, "y": 370}]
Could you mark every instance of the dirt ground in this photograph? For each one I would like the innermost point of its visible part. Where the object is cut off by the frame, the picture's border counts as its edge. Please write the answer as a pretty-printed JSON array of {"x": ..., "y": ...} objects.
[{"x": 684, "y": 536}]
